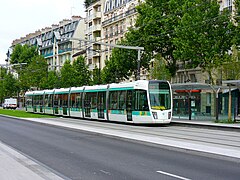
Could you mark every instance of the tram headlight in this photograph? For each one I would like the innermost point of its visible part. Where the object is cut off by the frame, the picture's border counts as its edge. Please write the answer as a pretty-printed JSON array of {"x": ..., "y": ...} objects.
[
  {"x": 154, "y": 115},
  {"x": 169, "y": 115}
]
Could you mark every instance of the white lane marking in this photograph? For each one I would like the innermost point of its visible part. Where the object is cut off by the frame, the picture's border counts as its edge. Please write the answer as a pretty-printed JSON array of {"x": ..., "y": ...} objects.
[
  {"x": 173, "y": 175},
  {"x": 105, "y": 172}
]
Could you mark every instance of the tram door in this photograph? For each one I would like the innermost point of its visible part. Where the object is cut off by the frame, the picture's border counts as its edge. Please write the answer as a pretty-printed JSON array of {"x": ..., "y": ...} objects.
[
  {"x": 129, "y": 105},
  {"x": 101, "y": 104}
]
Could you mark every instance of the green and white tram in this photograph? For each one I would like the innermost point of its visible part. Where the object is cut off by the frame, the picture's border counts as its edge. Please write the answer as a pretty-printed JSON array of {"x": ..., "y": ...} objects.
[{"x": 142, "y": 101}]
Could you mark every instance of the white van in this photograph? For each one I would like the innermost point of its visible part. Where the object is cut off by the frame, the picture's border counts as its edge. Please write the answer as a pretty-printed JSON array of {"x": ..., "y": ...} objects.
[{"x": 10, "y": 103}]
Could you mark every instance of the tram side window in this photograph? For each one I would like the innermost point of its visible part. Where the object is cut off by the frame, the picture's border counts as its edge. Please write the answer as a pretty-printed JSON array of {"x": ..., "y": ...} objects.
[
  {"x": 60, "y": 100},
  {"x": 73, "y": 100},
  {"x": 113, "y": 98},
  {"x": 141, "y": 102},
  {"x": 50, "y": 100},
  {"x": 46, "y": 100},
  {"x": 29, "y": 101},
  {"x": 35, "y": 100},
  {"x": 64, "y": 100},
  {"x": 40, "y": 100},
  {"x": 55, "y": 100},
  {"x": 122, "y": 100},
  {"x": 87, "y": 100},
  {"x": 93, "y": 100},
  {"x": 79, "y": 100},
  {"x": 101, "y": 100}
]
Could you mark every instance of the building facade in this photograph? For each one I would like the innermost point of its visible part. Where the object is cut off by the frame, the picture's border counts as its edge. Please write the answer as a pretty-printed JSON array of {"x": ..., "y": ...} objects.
[
  {"x": 107, "y": 21},
  {"x": 54, "y": 43},
  {"x": 93, "y": 29}
]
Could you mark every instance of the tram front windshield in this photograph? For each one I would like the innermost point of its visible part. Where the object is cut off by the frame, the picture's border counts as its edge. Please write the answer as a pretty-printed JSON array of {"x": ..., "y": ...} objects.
[{"x": 160, "y": 95}]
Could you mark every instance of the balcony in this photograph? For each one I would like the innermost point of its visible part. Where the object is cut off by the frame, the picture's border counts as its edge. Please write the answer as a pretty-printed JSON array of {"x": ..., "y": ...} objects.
[
  {"x": 229, "y": 8},
  {"x": 96, "y": 54},
  {"x": 88, "y": 30},
  {"x": 119, "y": 17},
  {"x": 96, "y": 4},
  {"x": 90, "y": 55},
  {"x": 88, "y": 18},
  {"x": 96, "y": 28},
  {"x": 91, "y": 66},
  {"x": 98, "y": 39},
  {"x": 97, "y": 15}
]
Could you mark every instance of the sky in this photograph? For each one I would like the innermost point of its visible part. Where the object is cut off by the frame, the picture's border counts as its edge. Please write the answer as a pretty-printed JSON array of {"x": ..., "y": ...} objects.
[{"x": 21, "y": 17}]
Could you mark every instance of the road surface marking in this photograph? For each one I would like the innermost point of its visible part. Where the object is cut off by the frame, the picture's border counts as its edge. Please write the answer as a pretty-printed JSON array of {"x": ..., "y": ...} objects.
[
  {"x": 105, "y": 172},
  {"x": 173, "y": 175}
]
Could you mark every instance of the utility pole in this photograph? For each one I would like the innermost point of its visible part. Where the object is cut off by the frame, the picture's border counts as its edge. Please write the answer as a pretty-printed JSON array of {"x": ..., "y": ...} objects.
[{"x": 139, "y": 49}]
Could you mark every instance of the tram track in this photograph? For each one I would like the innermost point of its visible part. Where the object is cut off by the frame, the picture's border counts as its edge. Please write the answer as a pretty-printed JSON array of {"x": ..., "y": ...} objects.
[{"x": 191, "y": 135}]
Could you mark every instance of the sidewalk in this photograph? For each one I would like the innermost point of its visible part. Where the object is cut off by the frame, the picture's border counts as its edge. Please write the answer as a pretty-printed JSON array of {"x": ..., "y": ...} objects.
[{"x": 15, "y": 166}]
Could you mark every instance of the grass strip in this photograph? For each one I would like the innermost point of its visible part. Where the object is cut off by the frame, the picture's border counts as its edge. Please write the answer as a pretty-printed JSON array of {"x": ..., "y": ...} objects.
[{"x": 21, "y": 113}]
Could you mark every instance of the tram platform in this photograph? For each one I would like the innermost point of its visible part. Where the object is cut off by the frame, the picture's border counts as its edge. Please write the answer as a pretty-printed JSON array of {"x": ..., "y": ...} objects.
[
  {"x": 208, "y": 123},
  {"x": 18, "y": 166}
]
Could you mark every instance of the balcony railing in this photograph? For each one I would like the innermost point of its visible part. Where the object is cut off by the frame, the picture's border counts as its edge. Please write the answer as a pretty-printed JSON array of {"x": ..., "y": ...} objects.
[
  {"x": 120, "y": 16},
  {"x": 228, "y": 8},
  {"x": 97, "y": 15},
  {"x": 96, "y": 28}
]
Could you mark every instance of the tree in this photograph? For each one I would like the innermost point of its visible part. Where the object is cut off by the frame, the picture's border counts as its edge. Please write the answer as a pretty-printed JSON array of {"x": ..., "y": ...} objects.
[
  {"x": 23, "y": 54},
  {"x": 109, "y": 72},
  {"x": 3, "y": 73},
  {"x": 159, "y": 70},
  {"x": 53, "y": 80},
  {"x": 96, "y": 76},
  {"x": 87, "y": 3},
  {"x": 155, "y": 29},
  {"x": 81, "y": 73},
  {"x": 231, "y": 68},
  {"x": 123, "y": 63},
  {"x": 236, "y": 16},
  {"x": 67, "y": 77},
  {"x": 203, "y": 36},
  {"x": 34, "y": 75},
  {"x": 10, "y": 85}
]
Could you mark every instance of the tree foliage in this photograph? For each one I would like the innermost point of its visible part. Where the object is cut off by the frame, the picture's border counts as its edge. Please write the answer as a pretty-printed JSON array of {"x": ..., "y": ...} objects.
[
  {"x": 96, "y": 76},
  {"x": 154, "y": 29},
  {"x": 34, "y": 74},
  {"x": 159, "y": 70},
  {"x": 231, "y": 68},
  {"x": 81, "y": 72},
  {"x": 123, "y": 63},
  {"x": 53, "y": 80},
  {"x": 23, "y": 54},
  {"x": 87, "y": 3},
  {"x": 203, "y": 36},
  {"x": 8, "y": 84},
  {"x": 67, "y": 77},
  {"x": 236, "y": 16}
]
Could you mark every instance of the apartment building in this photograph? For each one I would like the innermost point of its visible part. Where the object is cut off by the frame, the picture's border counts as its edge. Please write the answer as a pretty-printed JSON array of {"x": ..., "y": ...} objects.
[
  {"x": 226, "y": 4},
  {"x": 93, "y": 30},
  {"x": 54, "y": 43},
  {"x": 107, "y": 21}
]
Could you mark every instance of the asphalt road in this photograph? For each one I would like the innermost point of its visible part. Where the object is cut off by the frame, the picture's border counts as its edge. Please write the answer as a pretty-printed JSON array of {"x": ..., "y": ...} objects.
[{"x": 85, "y": 155}]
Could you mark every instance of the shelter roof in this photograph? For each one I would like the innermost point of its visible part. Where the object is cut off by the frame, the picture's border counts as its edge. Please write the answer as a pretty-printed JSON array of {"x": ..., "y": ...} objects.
[
  {"x": 232, "y": 82},
  {"x": 194, "y": 86}
]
